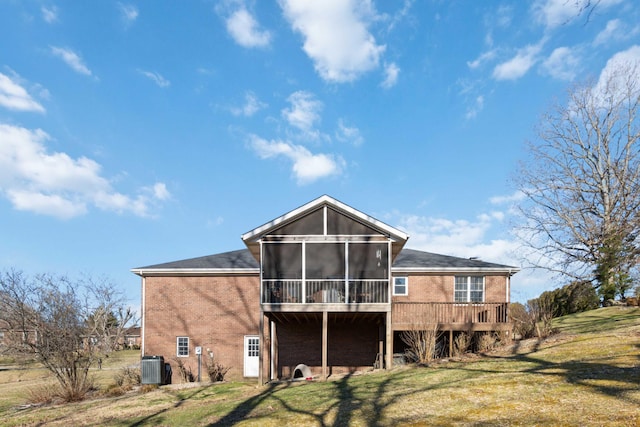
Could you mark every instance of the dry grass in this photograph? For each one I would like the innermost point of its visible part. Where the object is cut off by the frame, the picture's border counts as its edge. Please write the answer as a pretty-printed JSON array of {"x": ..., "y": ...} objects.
[{"x": 589, "y": 374}]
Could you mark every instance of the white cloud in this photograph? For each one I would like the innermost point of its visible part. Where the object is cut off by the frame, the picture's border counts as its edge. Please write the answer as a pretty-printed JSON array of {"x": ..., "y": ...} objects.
[
  {"x": 55, "y": 184},
  {"x": 15, "y": 97},
  {"x": 305, "y": 110},
  {"x": 400, "y": 15},
  {"x": 610, "y": 32},
  {"x": 511, "y": 198},
  {"x": 630, "y": 56},
  {"x": 307, "y": 167},
  {"x": 519, "y": 65},
  {"x": 245, "y": 30},
  {"x": 336, "y": 37},
  {"x": 391, "y": 72},
  {"x": 49, "y": 14},
  {"x": 48, "y": 204},
  {"x": 562, "y": 64},
  {"x": 128, "y": 12},
  {"x": 616, "y": 31},
  {"x": 552, "y": 13},
  {"x": 160, "y": 192},
  {"x": 484, "y": 236},
  {"x": 615, "y": 74},
  {"x": 476, "y": 108},
  {"x": 71, "y": 59},
  {"x": 482, "y": 59},
  {"x": 251, "y": 106},
  {"x": 504, "y": 16},
  {"x": 462, "y": 238},
  {"x": 156, "y": 78},
  {"x": 348, "y": 134}
]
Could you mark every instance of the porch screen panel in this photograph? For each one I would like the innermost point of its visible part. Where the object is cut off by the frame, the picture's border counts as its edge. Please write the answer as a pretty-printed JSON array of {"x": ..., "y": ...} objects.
[
  {"x": 338, "y": 224},
  {"x": 368, "y": 261},
  {"x": 282, "y": 261},
  {"x": 311, "y": 224},
  {"x": 325, "y": 260}
]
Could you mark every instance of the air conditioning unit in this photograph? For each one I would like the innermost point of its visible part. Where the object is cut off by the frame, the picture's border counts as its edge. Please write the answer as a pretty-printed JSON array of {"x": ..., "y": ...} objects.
[{"x": 152, "y": 370}]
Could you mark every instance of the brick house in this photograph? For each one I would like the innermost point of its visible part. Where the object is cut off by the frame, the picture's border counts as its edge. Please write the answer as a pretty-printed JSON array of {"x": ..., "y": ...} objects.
[{"x": 324, "y": 285}]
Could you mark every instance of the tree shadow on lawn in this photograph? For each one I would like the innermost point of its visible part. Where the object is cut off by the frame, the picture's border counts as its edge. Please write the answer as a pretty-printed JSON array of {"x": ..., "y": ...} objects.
[
  {"x": 582, "y": 372},
  {"x": 156, "y": 417},
  {"x": 366, "y": 403},
  {"x": 346, "y": 405}
]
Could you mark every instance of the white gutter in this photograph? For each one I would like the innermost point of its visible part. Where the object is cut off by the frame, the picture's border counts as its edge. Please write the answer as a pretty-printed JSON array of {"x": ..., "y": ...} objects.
[
  {"x": 509, "y": 271},
  {"x": 146, "y": 272}
]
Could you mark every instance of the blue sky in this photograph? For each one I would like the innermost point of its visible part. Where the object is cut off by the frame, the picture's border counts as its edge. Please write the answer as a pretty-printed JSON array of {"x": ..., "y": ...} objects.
[{"x": 135, "y": 133}]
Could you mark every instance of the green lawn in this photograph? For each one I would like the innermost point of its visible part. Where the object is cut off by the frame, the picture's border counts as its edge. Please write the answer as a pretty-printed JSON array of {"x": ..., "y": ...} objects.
[{"x": 588, "y": 374}]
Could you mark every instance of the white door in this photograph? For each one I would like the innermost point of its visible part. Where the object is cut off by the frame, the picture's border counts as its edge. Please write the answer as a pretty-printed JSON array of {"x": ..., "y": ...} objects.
[{"x": 251, "y": 356}]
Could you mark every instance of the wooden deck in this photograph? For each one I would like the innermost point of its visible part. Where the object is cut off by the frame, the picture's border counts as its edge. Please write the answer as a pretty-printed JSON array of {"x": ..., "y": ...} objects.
[{"x": 451, "y": 316}]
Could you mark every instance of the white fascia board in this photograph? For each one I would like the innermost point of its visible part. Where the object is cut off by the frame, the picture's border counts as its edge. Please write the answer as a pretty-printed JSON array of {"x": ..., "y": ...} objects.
[
  {"x": 193, "y": 271},
  {"x": 510, "y": 271},
  {"x": 393, "y": 232}
]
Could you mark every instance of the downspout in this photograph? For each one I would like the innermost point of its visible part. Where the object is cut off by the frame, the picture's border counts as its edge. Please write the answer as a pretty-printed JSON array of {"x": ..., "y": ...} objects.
[{"x": 142, "y": 308}]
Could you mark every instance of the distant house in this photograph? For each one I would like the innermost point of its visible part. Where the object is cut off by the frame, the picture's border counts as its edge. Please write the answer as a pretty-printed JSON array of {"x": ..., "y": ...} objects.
[
  {"x": 324, "y": 285},
  {"x": 131, "y": 337}
]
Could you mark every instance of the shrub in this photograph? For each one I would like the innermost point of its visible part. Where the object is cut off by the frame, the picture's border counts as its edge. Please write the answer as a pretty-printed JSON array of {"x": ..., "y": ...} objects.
[
  {"x": 44, "y": 394},
  {"x": 461, "y": 343},
  {"x": 486, "y": 341},
  {"x": 523, "y": 321},
  {"x": 215, "y": 370},
  {"x": 421, "y": 343},
  {"x": 185, "y": 372},
  {"x": 146, "y": 388},
  {"x": 127, "y": 377}
]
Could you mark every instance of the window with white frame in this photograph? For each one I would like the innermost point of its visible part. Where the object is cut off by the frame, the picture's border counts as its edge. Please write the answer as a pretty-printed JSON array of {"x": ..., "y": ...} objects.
[
  {"x": 469, "y": 289},
  {"x": 182, "y": 345},
  {"x": 400, "y": 286}
]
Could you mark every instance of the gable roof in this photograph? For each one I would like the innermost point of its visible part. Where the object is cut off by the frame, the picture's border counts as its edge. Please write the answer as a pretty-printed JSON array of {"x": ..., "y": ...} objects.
[
  {"x": 243, "y": 262},
  {"x": 251, "y": 238}
]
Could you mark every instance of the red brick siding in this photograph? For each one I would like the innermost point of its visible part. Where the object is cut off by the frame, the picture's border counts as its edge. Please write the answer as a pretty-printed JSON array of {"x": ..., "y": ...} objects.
[
  {"x": 439, "y": 288},
  {"x": 214, "y": 312}
]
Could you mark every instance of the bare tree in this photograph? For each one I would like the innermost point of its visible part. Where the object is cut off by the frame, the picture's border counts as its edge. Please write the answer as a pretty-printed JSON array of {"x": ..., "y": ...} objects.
[
  {"x": 48, "y": 317},
  {"x": 110, "y": 318},
  {"x": 582, "y": 184}
]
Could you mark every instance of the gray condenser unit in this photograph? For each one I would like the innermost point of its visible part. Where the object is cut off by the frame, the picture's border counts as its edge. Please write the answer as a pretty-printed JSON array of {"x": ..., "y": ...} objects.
[{"x": 152, "y": 370}]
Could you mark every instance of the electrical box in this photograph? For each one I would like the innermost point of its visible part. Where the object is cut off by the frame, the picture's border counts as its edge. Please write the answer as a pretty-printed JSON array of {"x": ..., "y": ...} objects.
[
  {"x": 152, "y": 370},
  {"x": 198, "y": 350}
]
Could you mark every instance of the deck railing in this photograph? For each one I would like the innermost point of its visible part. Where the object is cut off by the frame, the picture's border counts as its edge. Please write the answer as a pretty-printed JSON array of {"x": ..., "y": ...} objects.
[
  {"x": 420, "y": 313},
  {"x": 325, "y": 292}
]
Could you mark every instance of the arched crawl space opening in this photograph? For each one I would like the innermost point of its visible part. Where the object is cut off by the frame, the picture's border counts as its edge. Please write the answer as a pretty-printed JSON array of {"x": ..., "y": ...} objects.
[{"x": 301, "y": 372}]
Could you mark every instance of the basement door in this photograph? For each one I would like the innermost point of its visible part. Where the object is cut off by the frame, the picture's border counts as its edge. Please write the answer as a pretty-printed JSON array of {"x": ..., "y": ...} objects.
[{"x": 251, "y": 355}]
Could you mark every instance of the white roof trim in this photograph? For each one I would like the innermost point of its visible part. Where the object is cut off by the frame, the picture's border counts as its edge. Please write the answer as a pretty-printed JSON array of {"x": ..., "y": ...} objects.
[
  {"x": 510, "y": 270},
  {"x": 393, "y": 232},
  {"x": 145, "y": 272}
]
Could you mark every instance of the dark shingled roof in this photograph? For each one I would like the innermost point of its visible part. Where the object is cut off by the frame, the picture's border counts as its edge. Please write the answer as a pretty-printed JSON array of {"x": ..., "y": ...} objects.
[
  {"x": 227, "y": 260},
  {"x": 408, "y": 258},
  {"x": 411, "y": 258}
]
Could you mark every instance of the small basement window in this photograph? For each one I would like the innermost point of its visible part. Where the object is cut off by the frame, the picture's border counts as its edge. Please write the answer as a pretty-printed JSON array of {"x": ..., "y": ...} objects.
[
  {"x": 182, "y": 344},
  {"x": 400, "y": 286}
]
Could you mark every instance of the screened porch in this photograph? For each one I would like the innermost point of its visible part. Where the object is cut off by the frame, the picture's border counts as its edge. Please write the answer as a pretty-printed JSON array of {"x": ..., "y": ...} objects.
[
  {"x": 325, "y": 292},
  {"x": 338, "y": 272}
]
